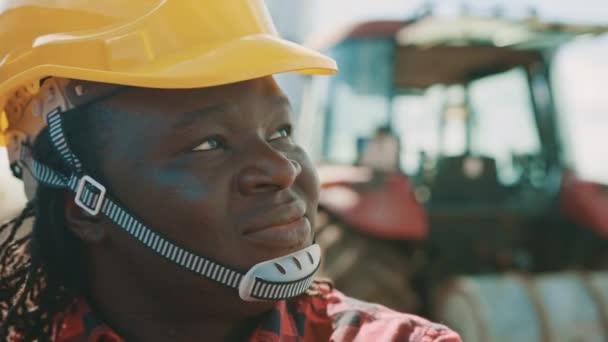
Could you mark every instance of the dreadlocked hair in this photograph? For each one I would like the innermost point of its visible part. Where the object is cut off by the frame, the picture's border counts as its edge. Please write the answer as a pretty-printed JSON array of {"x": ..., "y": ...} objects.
[{"x": 41, "y": 271}]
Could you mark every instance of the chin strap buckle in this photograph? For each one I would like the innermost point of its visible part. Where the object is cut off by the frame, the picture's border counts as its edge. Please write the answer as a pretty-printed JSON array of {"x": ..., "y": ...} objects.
[{"x": 90, "y": 195}]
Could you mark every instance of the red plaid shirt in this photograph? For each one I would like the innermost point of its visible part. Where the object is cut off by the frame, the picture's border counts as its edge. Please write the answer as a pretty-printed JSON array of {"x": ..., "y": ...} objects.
[{"x": 323, "y": 314}]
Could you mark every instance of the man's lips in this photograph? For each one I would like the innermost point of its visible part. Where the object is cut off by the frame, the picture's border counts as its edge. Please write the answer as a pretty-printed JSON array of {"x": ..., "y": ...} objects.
[
  {"x": 282, "y": 226},
  {"x": 276, "y": 216}
]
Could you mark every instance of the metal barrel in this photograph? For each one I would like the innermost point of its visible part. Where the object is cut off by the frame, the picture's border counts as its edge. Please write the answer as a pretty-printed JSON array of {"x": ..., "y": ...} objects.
[{"x": 560, "y": 307}]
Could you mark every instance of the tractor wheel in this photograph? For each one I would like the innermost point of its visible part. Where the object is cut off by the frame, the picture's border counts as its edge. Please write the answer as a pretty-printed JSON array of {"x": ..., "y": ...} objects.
[{"x": 363, "y": 267}]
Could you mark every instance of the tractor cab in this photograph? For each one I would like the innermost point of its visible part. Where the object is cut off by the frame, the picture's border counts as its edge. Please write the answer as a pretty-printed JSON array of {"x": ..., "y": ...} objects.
[{"x": 467, "y": 101}]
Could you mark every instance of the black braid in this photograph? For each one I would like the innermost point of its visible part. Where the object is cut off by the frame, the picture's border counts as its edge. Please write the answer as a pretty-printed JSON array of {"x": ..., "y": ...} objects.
[
  {"x": 15, "y": 269},
  {"x": 41, "y": 271}
]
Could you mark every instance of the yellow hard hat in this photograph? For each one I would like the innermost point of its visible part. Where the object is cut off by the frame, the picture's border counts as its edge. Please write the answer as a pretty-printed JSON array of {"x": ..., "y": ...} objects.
[{"x": 147, "y": 43}]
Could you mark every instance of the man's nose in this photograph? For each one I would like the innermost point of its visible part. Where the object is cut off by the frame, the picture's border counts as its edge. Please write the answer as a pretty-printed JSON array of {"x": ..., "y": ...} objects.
[{"x": 266, "y": 170}]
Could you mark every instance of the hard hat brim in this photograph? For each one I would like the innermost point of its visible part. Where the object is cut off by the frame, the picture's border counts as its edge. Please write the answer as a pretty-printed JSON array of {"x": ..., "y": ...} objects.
[
  {"x": 243, "y": 59},
  {"x": 247, "y": 58}
]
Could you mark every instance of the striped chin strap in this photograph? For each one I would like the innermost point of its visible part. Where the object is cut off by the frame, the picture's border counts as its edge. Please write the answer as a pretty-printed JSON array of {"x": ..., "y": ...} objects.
[{"x": 275, "y": 279}]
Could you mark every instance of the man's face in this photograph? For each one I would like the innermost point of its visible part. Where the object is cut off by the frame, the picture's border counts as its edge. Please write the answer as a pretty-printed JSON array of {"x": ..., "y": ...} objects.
[{"x": 214, "y": 170}]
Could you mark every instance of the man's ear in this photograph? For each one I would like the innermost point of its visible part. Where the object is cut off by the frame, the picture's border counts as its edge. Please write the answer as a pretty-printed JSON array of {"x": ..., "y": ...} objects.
[{"x": 88, "y": 228}]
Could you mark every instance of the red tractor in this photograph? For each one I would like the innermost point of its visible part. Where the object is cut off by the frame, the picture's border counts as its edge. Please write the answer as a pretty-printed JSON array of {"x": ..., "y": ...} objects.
[{"x": 442, "y": 165}]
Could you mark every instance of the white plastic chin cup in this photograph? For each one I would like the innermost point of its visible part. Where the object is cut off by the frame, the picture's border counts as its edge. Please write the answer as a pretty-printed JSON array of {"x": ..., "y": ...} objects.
[{"x": 284, "y": 277}]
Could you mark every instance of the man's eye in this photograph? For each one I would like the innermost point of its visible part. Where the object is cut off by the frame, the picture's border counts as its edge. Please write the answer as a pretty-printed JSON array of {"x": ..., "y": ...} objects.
[
  {"x": 210, "y": 144},
  {"x": 281, "y": 133}
]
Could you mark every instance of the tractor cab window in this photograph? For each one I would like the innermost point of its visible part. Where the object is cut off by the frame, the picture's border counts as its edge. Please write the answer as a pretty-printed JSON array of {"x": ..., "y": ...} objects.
[
  {"x": 353, "y": 122},
  {"x": 359, "y": 98},
  {"x": 417, "y": 122},
  {"x": 580, "y": 78},
  {"x": 492, "y": 118},
  {"x": 502, "y": 123}
]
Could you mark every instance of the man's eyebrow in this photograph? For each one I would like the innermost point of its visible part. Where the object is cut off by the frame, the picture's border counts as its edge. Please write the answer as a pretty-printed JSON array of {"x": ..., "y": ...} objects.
[{"x": 187, "y": 118}]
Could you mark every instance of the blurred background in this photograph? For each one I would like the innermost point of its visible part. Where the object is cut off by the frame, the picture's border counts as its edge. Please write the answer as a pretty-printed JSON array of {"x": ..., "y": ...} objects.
[{"x": 463, "y": 155}]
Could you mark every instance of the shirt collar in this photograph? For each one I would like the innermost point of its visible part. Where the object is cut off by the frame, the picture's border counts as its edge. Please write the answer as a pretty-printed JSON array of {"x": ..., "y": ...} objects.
[{"x": 288, "y": 319}]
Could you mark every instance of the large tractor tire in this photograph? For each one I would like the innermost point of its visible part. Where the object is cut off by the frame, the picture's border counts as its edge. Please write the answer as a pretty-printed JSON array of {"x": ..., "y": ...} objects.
[{"x": 364, "y": 267}]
